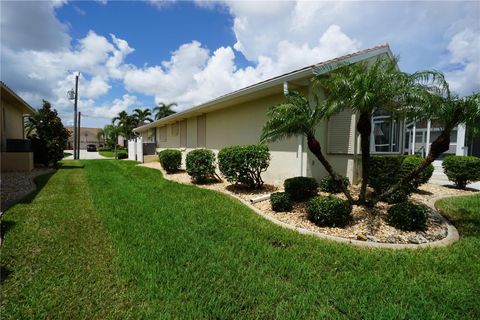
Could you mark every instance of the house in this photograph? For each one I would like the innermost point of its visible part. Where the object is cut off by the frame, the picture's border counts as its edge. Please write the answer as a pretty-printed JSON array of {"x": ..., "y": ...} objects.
[
  {"x": 16, "y": 151},
  {"x": 87, "y": 136},
  {"x": 238, "y": 117}
]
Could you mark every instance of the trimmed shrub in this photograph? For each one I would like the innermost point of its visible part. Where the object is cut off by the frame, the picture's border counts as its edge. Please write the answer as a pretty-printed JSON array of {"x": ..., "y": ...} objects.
[
  {"x": 170, "y": 160},
  {"x": 329, "y": 211},
  {"x": 384, "y": 172},
  {"x": 462, "y": 170},
  {"x": 408, "y": 216},
  {"x": 104, "y": 149},
  {"x": 301, "y": 188},
  {"x": 122, "y": 155},
  {"x": 327, "y": 184},
  {"x": 200, "y": 165},
  {"x": 410, "y": 163},
  {"x": 281, "y": 201},
  {"x": 401, "y": 195},
  {"x": 244, "y": 164}
]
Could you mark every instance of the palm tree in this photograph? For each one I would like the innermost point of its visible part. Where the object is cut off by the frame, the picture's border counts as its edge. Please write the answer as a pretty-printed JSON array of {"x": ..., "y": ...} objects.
[
  {"x": 163, "y": 110},
  {"x": 111, "y": 133},
  {"x": 430, "y": 97},
  {"x": 364, "y": 87},
  {"x": 101, "y": 135},
  {"x": 126, "y": 123},
  {"x": 142, "y": 116},
  {"x": 298, "y": 117}
]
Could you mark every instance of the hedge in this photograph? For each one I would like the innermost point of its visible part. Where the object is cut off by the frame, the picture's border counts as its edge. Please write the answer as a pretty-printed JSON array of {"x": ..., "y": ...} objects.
[
  {"x": 301, "y": 188},
  {"x": 327, "y": 184},
  {"x": 462, "y": 170},
  {"x": 170, "y": 160},
  {"x": 244, "y": 164},
  {"x": 281, "y": 201},
  {"x": 408, "y": 216},
  {"x": 200, "y": 165},
  {"x": 329, "y": 211}
]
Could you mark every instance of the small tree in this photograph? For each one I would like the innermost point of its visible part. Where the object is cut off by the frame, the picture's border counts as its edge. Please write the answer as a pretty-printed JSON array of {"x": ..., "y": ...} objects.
[
  {"x": 298, "y": 117},
  {"x": 49, "y": 136}
]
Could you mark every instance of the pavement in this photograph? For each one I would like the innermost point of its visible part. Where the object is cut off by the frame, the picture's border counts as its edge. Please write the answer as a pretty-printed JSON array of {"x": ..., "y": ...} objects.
[{"x": 85, "y": 155}]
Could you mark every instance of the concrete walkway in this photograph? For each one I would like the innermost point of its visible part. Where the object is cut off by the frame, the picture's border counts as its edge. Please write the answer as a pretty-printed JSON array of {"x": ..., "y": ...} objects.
[{"x": 86, "y": 155}]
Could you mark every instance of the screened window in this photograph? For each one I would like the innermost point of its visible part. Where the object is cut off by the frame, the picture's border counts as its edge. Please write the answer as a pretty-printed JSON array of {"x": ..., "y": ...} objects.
[{"x": 386, "y": 133}]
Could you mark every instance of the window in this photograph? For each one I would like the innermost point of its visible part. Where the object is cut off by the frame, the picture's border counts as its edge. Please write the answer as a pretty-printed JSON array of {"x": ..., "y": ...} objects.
[{"x": 386, "y": 133}]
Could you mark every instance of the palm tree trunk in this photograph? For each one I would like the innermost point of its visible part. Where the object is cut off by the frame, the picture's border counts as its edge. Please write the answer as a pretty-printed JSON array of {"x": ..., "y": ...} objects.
[
  {"x": 439, "y": 146},
  {"x": 315, "y": 148},
  {"x": 364, "y": 127}
]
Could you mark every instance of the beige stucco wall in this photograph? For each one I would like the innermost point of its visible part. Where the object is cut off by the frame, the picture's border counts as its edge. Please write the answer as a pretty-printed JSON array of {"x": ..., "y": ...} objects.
[
  {"x": 13, "y": 121},
  {"x": 243, "y": 123},
  {"x": 16, "y": 161}
]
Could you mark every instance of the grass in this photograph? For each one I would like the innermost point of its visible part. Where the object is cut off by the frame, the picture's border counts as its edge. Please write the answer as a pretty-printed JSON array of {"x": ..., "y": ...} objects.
[
  {"x": 113, "y": 240},
  {"x": 464, "y": 212},
  {"x": 111, "y": 154}
]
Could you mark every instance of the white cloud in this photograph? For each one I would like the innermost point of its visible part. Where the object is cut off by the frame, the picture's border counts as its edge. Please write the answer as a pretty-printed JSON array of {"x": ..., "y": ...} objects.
[
  {"x": 464, "y": 49},
  {"x": 110, "y": 110}
]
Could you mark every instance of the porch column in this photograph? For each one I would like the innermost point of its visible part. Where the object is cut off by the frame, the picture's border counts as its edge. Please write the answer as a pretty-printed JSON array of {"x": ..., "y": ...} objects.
[
  {"x": 460, "y": 151},
  {"x": 414, "y": 133},
  {"x": 427, "y": 143}
]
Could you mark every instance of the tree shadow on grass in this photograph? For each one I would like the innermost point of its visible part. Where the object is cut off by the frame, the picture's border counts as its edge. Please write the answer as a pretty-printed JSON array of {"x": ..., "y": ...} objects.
[
  {"x": 67, "y": 166},
  {"x": 4, "y": 273}
]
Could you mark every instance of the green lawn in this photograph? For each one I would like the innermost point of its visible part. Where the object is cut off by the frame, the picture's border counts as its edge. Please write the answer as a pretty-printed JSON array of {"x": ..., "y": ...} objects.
[
  {"x": 107, "y": 239},
  {"x": 111, "y": 154}
]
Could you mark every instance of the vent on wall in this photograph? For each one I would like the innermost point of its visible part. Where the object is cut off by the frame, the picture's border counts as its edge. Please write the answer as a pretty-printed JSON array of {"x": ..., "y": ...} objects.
[{"x": 341, "y": 133}]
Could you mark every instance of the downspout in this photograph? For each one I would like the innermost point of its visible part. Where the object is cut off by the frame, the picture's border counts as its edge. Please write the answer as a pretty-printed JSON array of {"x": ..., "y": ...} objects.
[{"x": 299, "y": 141}]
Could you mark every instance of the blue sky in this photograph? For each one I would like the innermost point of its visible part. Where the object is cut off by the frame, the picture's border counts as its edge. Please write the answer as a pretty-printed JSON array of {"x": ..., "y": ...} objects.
[{"x": 134, "y": 54}]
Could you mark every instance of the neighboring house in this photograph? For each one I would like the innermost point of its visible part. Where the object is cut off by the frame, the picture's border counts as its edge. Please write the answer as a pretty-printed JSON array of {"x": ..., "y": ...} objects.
[
  {"x": 16, "y": 151},
  {"x": 238, "y": 117},
  {"x": 87, "y": 136}
]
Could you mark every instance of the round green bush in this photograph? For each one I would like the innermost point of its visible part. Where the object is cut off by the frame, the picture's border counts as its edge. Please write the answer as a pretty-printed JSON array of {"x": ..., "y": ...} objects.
[
  {"x": 411, "y": 162},
  {"x": 401, "y": 195},
  {"x": 281, "y": 201},
  {"x": 327, "y": 184},
  {"x": 462, "y": 170},
  {"x": 200, "y": 164},
  {"x": 170, "y": 160},
  {"x": 301, "y": 188},
  {"x": 122, "y": 155},
  {"x": 244, "y": 164},
  {"x": 329, "y": 211},
  {"x": 408, "y": 216}
]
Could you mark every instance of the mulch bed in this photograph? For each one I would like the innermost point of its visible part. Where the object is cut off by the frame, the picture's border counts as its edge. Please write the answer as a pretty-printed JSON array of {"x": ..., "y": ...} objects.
[{"x": 368, "y": 224}]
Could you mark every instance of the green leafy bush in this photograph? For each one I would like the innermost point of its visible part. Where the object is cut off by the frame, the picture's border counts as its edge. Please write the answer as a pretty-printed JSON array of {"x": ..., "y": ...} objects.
[
  {"x": 104, "y": 149},
  {"x": 327, "y": 184},
  {"x": 48, "y": 135},
  {"x": 281, "y": 201},
  {"x": 244, "y": 164},
  {"x": 329, "y": 211},
  {"x": 408, "y": 216},
  {"x": 301, "y": 188},
  {"x": 411, "y": 162},
  {"x": 200, "y": 165},
  {"x": 170, "y": 160},
  {"x": 401, "y": 195},
  {"x": 462, "y": 170},
  {"x": 384, "y": 172},
  {"x": 122, "y": 155}
]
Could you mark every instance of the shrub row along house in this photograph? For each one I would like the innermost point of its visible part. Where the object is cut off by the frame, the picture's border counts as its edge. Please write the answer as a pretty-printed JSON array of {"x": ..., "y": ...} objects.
[{"x": 237, "y": 118}]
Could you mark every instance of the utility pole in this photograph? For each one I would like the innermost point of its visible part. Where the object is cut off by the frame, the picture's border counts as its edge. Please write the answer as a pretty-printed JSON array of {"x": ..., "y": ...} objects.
[
  {"x": 78, "y": 134},
  {"x": 75, "y": 148}
]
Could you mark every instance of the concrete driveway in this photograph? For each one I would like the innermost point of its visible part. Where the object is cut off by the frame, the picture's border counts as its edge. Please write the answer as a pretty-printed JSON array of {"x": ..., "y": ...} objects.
[{"x": 86, "y": 155}]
